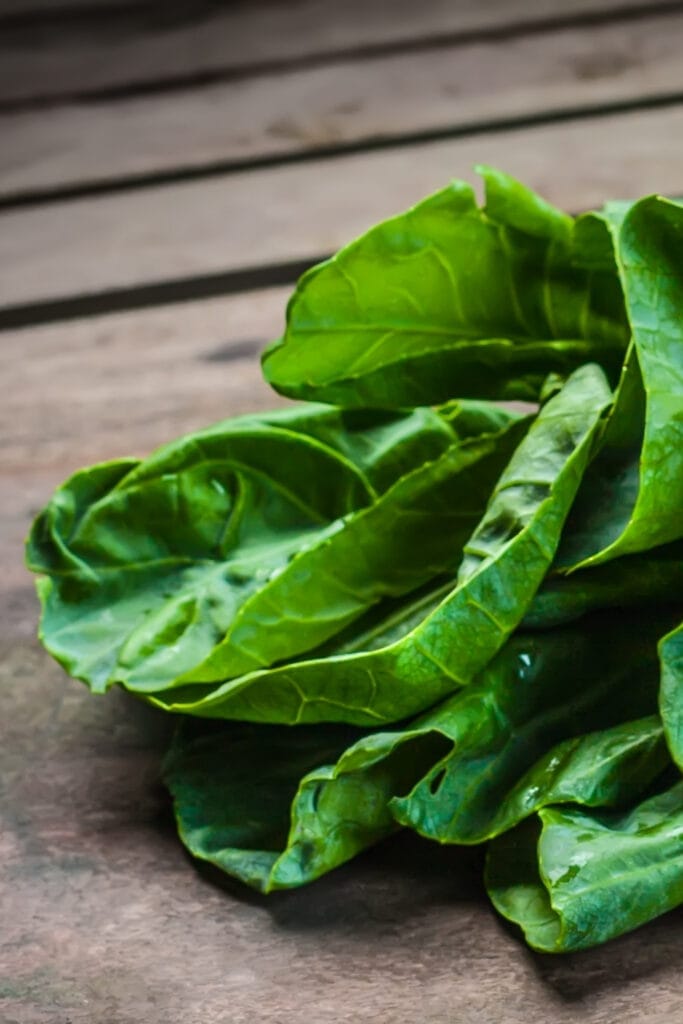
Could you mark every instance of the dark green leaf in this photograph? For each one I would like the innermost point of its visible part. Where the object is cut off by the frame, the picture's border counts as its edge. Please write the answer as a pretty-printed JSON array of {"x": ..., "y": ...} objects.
[
  {"x": 652, "y": 578},
  {"x": 516, "y": 737},
  {"x": 263, "y": 803},
  {"x": 588, "y": 877},
  {"x": 233, "y": 787},
  {"x": 671, "y": 693},
  {"x": 526, "y": 737}
]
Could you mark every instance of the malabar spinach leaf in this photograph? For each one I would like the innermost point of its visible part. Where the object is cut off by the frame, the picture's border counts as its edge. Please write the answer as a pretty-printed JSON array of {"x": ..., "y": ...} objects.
[
  {"x": 649, "y": 579},
  {"x": 586, "y": 877},
  {"x": 240, "y": 808},
  {"x": 515, "y": 738},
  {"x": 233, "y": 787},
  {"x": 571, "y": 683},
  {"x": 251, "y": 541},
  {"x": 632, "y": 499},
  {"x": 449, "y": 299},
  {"x": 503, "y": 565},
  {"x": 507, "y": 582},
  {"x": 263, "y": 802}
]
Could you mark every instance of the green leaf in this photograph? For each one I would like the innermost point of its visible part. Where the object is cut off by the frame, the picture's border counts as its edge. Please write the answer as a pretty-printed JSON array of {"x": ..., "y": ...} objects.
[
  {"x": 262, "y": 802},
  {"x": 516, "y": 738},
  {"x": 233, "y": 787},
  {"x": 588, "y": 877},
  {"x": 649, "y": 579},
  {"x": 449, "y": 299},
  {"x": 413, "y": 532},
  {"x": 527, "y": 737},
  {"x": 632, "y": 499},
  {"x": 150, "y": 563},
  {"x": 671, "y": 693},
  {"x": 521, "y": 527},
  {"x": 473, "y": 618},
  {"x": 471, "y": 418}
]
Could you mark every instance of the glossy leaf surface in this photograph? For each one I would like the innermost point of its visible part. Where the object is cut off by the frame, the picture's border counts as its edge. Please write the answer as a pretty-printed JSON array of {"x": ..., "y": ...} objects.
[
  {"x": 588, "y": 877},
  {"x": 527, "y": 738},
  {"x": 428, "y": 611},
  {"x": 277, "y": 816},
  {"x": 251, "y": 541},
  {"x": 449, "y": 299},
  {"x": 503, "y": 565},
  {"x": 632, "y": 500},
  {"x": 233, "y": 798},
  {"x": 233, "y": 787}
]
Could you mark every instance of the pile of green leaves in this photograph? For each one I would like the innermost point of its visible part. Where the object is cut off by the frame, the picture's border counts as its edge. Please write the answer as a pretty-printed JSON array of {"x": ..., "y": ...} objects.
[{"x": 401, "y": 604}]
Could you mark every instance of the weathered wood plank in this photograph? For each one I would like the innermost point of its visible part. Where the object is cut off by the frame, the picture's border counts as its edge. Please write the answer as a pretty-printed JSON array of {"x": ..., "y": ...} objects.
[
  {"x": 299, "y": 211},
  {"x": 125, "y": 383},
  {"x": 206, "y": 39},
  {"x": 341, "y": 104}
]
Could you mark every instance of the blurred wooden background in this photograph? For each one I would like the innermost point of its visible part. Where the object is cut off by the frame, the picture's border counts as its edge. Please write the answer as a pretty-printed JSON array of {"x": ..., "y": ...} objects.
[{"x": 166, "y": 172}]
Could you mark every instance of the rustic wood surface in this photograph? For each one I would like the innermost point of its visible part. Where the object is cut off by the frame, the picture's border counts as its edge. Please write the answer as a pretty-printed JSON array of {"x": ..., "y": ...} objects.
[
  {"x": 104, "y": 920},
  {"x": 147, "y": 43},
  {"x": 384, "y": 97},
  {"x": 309, "y": 210},
  {"x": 123, "y": 384}
]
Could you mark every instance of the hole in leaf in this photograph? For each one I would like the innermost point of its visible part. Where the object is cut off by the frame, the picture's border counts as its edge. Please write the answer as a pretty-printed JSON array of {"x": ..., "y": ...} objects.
[
  {"x": 436, "y": 780},
  {"x": 315, "y": 798}
]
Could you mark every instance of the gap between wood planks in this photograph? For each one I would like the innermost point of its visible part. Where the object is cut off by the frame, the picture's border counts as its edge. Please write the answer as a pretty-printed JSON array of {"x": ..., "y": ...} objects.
[
  {"x": 26, "y": 14},
  {"x": 55, "y": 14},
  {"x": 196, "y": 239},
  {"x": 144, "y": 296},
  {"x": 89, "y": 149},
  {"x": 254, "y": 39},
  {"x": 175, "y": 175}
]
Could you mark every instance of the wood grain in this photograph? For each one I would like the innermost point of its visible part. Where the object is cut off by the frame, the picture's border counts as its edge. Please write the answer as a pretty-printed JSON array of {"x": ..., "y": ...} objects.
[
  {"x": 207, "y": 39},
  {"x": 293, "y": 212},
  {"x": 340, "y": 104},
  {"x": 123, "y": 384}
]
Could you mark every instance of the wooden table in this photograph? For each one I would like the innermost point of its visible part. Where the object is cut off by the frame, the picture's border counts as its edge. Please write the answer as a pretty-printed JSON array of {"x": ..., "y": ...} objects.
[{"x": 166, "y": 171}]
